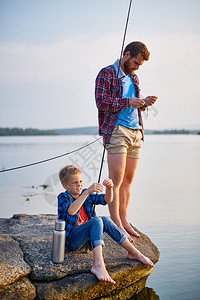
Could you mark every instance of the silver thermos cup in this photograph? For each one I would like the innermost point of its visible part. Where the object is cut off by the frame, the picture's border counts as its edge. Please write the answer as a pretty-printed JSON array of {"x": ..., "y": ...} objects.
[{"x": 58, "y": 245}]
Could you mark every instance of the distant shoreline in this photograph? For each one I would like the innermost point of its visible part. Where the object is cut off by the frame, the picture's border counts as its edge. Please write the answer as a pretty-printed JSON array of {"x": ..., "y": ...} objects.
[{"x": 92, "y": 130}]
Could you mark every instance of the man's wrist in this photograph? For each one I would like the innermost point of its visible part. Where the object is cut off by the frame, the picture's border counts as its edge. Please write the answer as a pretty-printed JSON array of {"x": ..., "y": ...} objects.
[
  {"x": 129, "y": 101},
  {"x": 145, "y": 102}
]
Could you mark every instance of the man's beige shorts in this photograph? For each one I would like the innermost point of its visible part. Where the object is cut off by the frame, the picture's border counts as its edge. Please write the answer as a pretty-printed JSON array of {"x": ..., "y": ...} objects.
[{"x": 125, "y": 140}]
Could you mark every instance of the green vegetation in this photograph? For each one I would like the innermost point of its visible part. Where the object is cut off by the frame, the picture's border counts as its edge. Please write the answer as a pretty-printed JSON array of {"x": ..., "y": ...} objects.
[
  {"x": 92, "y": 130},
  {"x": 28, "y": 131},
  {"x": 172, "y": 131}
]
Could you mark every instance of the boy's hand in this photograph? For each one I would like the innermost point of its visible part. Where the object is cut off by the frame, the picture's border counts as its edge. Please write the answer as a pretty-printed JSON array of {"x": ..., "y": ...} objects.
[
  {"x": 108, "y": 183},
  {"x": 95, "y": 188}
]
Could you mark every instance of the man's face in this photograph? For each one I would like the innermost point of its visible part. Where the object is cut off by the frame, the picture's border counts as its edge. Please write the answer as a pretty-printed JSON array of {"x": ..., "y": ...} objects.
[
  {"x": 74, "y": 185},
  {"x": 133, "y": 64}
]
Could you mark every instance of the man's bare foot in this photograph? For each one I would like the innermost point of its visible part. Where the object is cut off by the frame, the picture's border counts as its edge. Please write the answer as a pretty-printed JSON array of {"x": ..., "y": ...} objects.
[
  {"x": 130, "y": 229},
  {"x": 139, "y": 256},
  {"x": 101, "y": 273},
  {"x": 128, "y": 236}
]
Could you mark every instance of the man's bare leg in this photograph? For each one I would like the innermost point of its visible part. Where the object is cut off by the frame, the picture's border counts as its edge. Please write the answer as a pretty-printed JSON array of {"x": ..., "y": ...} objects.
[
  {"x": 133, "y": 253},
  {"x": 116, "y": 166},
  {"x": 98, "y": 268},
  {"x": 125, "y": 192}
]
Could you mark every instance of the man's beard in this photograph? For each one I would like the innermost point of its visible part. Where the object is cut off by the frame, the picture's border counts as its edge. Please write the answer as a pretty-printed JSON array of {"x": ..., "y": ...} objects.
[{"x": 127, "y": 68}]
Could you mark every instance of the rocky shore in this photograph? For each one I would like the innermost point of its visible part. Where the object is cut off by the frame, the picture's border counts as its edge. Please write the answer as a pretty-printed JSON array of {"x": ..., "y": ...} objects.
[{"x": 27, "y": 272}]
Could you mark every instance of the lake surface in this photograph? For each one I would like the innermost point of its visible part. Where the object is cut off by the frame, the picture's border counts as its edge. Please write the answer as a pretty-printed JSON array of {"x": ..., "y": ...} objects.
[{"x": 164, "y": 202}]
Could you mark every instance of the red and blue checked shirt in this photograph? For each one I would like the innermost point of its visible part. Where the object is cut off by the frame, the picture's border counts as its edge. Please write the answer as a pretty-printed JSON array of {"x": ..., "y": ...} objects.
[
  {"x": 109, "y": 101},
  {"x": 64, "y": 201}
]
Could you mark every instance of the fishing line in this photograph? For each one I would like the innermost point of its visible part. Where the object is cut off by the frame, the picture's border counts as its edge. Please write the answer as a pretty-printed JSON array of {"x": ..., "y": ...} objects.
[{"x": 49, "y": 159}]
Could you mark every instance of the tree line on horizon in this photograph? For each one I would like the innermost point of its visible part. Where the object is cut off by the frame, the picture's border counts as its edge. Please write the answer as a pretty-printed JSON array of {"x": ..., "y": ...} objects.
[
  {"x": 27, "y": 131},
  {"x": 15, "y": 131}
]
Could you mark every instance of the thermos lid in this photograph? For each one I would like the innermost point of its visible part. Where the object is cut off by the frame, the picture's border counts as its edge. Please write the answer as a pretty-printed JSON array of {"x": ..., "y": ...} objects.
[{"x": 60, "y": 225}]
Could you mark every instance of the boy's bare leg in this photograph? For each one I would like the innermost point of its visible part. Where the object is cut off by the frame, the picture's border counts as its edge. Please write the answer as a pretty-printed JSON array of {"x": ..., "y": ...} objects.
[
  {"x": 125, "y": 193},
  {"x": 98, "y": 268},
  {"x": 133, "y": 253},
  {"x": 116, "y": 166}
]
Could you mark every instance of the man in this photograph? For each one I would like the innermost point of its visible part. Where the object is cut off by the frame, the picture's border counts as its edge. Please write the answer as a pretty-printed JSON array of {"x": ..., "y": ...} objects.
[{"x": 119, "y": 106}]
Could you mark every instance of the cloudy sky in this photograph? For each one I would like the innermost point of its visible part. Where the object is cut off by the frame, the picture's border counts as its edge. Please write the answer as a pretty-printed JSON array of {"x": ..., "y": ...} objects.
[{"x": 51, "y": 52}]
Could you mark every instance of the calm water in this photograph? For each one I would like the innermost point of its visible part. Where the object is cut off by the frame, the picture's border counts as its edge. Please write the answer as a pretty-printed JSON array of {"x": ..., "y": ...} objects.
[{"x": 164, "y": 202}]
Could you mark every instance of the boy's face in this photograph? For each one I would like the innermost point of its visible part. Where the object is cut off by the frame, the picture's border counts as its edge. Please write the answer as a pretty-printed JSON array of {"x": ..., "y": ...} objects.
[{"x": 74, "y": 185}]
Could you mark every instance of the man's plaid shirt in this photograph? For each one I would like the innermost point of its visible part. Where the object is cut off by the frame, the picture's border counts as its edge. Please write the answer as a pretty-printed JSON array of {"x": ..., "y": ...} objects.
[
  {"x": 64, "y": 201},
  {"x": 108, "y": 95}
]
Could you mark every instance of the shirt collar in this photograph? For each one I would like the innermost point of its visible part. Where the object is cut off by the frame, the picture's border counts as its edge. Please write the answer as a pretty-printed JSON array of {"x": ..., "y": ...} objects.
[{"x": 121, "y": 73}]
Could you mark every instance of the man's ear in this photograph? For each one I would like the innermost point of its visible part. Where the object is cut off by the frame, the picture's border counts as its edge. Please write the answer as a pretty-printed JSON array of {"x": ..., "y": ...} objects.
[{"x": 127, "y": 54}]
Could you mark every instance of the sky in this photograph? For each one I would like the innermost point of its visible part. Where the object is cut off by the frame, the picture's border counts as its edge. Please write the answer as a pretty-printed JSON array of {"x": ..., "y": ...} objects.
[{"x": 51, "y": 52}]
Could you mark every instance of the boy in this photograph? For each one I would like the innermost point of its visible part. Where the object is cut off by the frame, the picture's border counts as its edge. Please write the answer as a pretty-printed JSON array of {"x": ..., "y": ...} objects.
[{"x": 75, "y": 207}]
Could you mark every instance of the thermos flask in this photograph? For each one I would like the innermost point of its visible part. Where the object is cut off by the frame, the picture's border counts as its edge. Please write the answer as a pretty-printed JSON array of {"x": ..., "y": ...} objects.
[{"x": 58, "y": 245}]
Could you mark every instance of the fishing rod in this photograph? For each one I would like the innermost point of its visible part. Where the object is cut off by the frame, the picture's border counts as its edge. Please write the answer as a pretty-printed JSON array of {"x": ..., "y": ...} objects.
[{"x": 106, "y": 140}]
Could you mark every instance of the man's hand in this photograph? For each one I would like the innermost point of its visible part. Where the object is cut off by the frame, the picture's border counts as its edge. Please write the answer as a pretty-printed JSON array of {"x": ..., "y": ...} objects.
[
  {"x": 108, "y": 183},
  {"x": 95, "y": 188},
  {"x": 150, "y": 100},
  {"x": 136, "y": 102}
]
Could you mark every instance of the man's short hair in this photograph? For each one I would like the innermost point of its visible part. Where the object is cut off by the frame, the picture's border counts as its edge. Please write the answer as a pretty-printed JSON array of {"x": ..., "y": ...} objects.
[
  {"x": 137, "y": 47},
  {"x": 68, "y": 171}
]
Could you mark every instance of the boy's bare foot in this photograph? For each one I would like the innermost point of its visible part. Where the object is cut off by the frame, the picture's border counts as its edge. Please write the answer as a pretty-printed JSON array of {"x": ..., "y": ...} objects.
[
  {"x": 101, "y": 273},
  {"x": 139, "y": 256},
  {"x": 130, "y": 229}
]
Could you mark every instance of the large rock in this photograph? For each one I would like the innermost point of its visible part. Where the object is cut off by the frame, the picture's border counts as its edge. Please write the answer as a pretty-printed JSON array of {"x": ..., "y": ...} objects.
[
  {"x": 71, "y": 279},
  {"x": 21, "y": 289},
  {"x": 12, "y": 264}
]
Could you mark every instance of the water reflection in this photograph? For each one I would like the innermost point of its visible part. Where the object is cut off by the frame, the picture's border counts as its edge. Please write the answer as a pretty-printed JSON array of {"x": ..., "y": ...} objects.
[{"x": 145, "y": 294}]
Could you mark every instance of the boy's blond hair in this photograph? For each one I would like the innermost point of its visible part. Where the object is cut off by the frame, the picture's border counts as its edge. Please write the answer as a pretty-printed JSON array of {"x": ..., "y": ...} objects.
[{"x": 68, "y": 171}]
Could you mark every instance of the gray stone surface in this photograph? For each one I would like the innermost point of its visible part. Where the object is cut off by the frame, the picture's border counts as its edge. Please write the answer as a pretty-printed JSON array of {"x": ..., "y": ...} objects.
[
  {"x": 12, "y": 264},
  {"x": 72, "y": 278}
]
